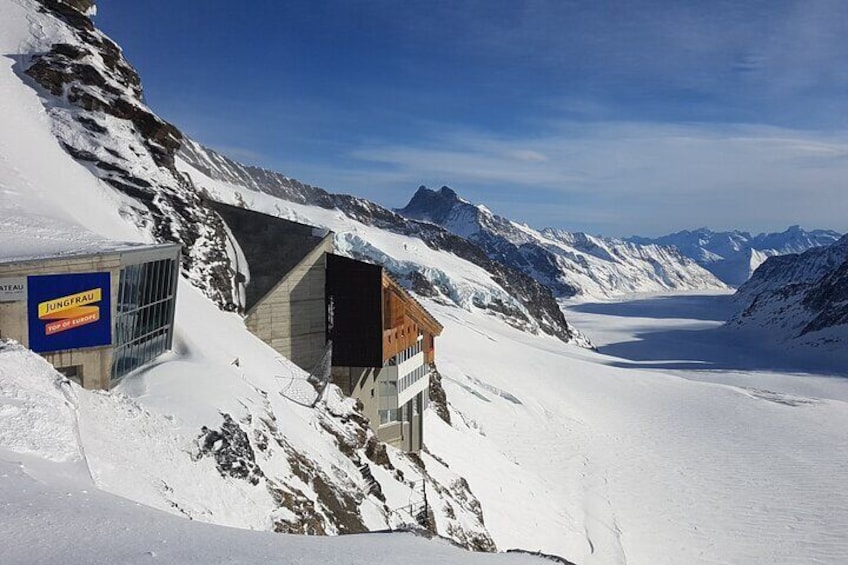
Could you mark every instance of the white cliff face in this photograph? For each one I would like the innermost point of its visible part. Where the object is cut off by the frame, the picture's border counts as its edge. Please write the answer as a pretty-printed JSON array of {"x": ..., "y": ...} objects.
[
  {"x": 734, "y": 256},
  {"x": 570, "y": 263}
]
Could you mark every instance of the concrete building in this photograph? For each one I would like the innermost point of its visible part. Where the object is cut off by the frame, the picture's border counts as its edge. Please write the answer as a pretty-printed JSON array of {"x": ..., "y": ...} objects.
[
  {"x": 281, "y": 285},
  {"x": 383, "y": 347},
  {"x": 297, "y": 296},
  {"x": 95, "y": 315}
]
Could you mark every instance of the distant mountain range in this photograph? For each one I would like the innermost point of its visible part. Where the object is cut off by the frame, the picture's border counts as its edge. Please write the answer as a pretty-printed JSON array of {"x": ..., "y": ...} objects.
[
  {"x": 569, "y": 263},
  {"x": 734, "y": 256},
  {"x": 801, "y": 297}
]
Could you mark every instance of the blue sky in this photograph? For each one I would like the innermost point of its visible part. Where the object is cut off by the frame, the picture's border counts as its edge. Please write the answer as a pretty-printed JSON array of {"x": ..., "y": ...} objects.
[{"x": 609, "y": 117}]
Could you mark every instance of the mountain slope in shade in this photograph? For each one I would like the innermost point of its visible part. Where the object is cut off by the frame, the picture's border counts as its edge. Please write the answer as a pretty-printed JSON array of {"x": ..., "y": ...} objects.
[
  {"x": 734, "y": 256},
  {"x": 363, "y": 230},
  {"x": 570, "y": 263},
  {"x": 800, "y": 297}
]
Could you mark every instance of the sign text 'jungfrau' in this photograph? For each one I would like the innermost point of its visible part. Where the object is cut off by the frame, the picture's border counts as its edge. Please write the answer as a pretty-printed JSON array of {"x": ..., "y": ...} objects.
[{"x": 69, "y": 311}]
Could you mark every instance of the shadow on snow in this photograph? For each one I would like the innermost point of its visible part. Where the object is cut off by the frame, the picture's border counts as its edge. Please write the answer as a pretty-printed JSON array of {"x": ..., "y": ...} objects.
[{"x": 706, "y": 349}]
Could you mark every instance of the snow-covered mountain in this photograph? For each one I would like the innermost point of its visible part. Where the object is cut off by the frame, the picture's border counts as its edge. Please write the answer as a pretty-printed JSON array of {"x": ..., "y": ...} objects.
[
  {"x": 197, "y": 435},
  {"x": 569, "y": 263},
  {"x": 365, "y": 230},
  {"x": 534, "y": 443},
  {"x": 83, "y": 160},
  {"x": 801, "y": 297},
  {"x": 734, "y": 256},
  {"x": 93, "y": 98}
]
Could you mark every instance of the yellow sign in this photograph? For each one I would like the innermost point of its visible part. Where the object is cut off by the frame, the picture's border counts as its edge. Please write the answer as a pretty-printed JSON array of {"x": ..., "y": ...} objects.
[
  {"x": 57, "y": 307},
  {"x": 69, "y": 312}
]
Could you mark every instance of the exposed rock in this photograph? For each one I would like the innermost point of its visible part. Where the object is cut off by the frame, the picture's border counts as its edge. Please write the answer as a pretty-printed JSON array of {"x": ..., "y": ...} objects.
[
  {"x": 96, "y": 87},
  {"x": 376, "y": 451},
  {"x": 230, "y": 446},
  {"x": 798, "y": 295},
  {"x": 438, "y": 397}
]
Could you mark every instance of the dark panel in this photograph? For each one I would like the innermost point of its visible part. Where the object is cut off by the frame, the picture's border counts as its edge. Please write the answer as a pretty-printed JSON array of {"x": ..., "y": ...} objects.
[
  {"x": 354, "y": 293},
  {"x": 272, "y": 246}
]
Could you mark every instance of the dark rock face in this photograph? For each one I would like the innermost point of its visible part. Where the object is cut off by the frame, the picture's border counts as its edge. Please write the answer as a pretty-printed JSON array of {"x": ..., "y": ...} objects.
[
  {"x": 231, "y": 449},
  {"x": 438, "y": 397},
  {"x": 94, "y": 97},
  {"x": 806, "y": 292},
  {"x": 829, "y": 299}
]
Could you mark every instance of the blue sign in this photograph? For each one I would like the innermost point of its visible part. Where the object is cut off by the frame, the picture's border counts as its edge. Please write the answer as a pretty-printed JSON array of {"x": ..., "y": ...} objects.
[{"x": 69, "y": 311}]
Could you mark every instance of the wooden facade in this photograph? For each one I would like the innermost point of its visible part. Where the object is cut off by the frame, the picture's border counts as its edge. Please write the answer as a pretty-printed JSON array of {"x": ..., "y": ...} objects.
[
  {"x": 373, "y": 317},
  {"x": 404, "y": 319}
]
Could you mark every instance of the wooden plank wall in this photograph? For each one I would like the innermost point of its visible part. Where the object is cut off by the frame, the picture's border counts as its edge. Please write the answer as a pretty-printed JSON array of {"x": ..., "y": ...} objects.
[{"x": 403, "y": 319}]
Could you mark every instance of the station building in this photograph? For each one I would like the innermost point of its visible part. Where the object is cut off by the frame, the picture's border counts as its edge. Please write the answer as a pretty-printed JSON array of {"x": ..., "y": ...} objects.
[
  {"x": 95, "y": 315},
  {"x": 299, "y": 297},
  {"x": 383, "y": 347}
]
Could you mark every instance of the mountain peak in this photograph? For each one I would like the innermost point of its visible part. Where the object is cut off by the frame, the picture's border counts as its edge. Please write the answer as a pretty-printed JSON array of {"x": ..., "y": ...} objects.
[
  {"x": 448, "y": 192},
  {"x": 431, "y": 205}
]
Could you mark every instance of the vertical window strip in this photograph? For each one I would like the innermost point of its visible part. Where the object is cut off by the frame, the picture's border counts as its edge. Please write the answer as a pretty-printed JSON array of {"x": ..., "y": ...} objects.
[{"x": 144, "y": 327}]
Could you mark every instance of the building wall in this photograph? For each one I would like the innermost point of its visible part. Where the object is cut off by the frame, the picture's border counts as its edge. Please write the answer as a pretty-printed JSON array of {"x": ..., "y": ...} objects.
[
  {"x": 292, "y": 317},
  {"x": 362, "y": 383},
  {"x": 95, "y": 361}
]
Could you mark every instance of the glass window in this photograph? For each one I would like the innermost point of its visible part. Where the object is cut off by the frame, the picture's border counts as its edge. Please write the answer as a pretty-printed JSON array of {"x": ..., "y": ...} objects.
[{"x": 145, "y": 319}]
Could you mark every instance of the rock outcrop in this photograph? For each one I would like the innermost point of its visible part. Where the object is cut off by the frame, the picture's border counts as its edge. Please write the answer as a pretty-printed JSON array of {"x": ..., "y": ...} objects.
[
  {"x": 94, "y": 98},
  {"x": 799, "y": 297}
]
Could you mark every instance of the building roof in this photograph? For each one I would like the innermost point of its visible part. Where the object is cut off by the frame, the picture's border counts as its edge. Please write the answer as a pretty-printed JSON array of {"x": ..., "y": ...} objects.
[
  {"x": 272, "y": 246},
  {"x": 37, "y": 238}
]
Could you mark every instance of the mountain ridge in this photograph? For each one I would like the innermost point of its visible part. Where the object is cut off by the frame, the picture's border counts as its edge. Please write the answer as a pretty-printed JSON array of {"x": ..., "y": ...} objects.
[
  {"x": 803, "y": 297},
  {"x": 569, "y": 263},
  {"x": 733, "y": 256}
]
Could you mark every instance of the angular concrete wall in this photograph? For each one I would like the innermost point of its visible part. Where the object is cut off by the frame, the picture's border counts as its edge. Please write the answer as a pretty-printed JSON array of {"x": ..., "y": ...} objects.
[{"x": 292, "y": 317}]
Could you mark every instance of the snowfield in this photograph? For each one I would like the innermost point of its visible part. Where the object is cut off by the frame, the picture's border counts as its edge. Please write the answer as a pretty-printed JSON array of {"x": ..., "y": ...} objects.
[
  {"x": 679, "y": 442},
  {"x": 695, "y": 444}
]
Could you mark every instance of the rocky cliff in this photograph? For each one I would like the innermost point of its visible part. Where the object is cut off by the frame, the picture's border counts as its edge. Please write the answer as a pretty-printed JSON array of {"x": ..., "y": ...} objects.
[
  {"x": 94, "y": 99},
  {"x": 801, "y": 297}
]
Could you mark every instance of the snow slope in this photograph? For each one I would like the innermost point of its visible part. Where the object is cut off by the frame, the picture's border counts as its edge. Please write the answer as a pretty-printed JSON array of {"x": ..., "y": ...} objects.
[
  {"x": 656, "y": 451},
  {"x": 54, "y": 510},
  {"x": 209, "y": 439},
  {"x": 569, "y": 263},
  {"x": 687, "y": 444},
  {"x": 734, "y": 256}
]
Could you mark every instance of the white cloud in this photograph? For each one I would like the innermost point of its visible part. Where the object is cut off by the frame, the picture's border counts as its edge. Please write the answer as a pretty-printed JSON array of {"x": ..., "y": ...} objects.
[{"x": 637, "y": 177}]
